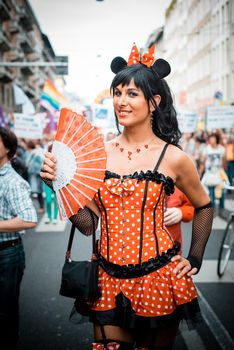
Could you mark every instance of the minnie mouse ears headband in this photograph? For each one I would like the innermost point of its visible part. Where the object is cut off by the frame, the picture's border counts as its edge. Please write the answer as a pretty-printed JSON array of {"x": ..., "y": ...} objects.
[{"x": 160, "y": 66}]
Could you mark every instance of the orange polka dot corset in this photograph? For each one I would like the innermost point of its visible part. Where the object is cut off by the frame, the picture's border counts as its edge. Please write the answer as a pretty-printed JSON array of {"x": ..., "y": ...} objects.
[{"x": 132, "y": 230}]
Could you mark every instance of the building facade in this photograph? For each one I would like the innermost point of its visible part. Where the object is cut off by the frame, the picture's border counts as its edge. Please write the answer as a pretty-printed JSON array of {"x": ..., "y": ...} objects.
[
  {"x": 198, "y": 41},
  {"x": 22, "y": 43}
]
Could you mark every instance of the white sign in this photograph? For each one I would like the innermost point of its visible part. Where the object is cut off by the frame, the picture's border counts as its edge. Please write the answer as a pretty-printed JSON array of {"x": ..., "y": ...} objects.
[
  {"x": 103, "y": 116},
  {"x": 220, "y": 117},
  {"x": 28, "y": 126},
  {"x": 187, "y": 120}
]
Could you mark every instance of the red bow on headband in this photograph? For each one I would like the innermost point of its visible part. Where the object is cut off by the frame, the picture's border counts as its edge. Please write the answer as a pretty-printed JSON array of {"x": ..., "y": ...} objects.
[{"x": 147, "y": 58}]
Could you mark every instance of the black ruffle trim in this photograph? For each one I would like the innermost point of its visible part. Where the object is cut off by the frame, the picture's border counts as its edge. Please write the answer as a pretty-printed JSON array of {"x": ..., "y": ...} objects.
[
  {"x": 125, "y": 317},
  {"x": 150, "y": 175},
  {"x": 138, "y": 270}
]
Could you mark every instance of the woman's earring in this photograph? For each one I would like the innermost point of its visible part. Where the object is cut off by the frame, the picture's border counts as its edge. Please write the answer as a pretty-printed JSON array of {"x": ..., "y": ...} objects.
[{"x": 151, "y": 120}]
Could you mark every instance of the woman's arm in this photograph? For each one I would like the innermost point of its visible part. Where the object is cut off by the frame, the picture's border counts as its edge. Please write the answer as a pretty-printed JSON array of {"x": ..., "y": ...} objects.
[{"x": 187, "y": 180}]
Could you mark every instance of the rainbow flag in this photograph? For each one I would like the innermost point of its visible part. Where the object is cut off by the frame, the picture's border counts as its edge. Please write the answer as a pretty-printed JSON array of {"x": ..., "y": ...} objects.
[{"x": 51, "y": 98}]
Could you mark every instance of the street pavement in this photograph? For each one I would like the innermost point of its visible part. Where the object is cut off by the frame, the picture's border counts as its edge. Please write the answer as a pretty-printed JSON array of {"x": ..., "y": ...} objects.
[{"x": 45, "y": 314}]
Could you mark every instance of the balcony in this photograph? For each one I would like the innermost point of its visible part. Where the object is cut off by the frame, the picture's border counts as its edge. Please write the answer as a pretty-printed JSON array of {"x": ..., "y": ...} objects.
[
  {"x": 4, "y": 11},
  {"x": 34, "y": 56},
  {"x": 14, "y": 27},
  {"x": 27, "y": 70},
  {"x": 4, "y": 43},
  {"x": 25, "y": 19},
  {"x": 29, "y": 90},
  {"x": 16, "y": 55},
  {"x": 5, "y": 75},
  {"x": 26, "y": 43}
]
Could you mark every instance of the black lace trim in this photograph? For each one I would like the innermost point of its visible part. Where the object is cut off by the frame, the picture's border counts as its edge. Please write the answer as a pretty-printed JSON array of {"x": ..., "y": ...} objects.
[
  {"x": 133, "y": 271},
  {"x": 150, "y": 175}
]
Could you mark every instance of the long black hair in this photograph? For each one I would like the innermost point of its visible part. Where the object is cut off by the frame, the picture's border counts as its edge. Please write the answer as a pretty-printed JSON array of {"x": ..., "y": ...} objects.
[{"x": 165, "y": 124}]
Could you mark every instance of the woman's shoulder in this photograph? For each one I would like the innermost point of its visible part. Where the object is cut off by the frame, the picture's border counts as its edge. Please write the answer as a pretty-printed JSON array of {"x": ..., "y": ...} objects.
[
  {"x": 176, "y": 153},
  {"x": 176, "y": 157}
]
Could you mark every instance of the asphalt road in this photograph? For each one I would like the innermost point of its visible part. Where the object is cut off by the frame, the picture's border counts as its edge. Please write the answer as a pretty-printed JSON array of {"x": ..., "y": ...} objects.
[{"x": 45, "y": 314}]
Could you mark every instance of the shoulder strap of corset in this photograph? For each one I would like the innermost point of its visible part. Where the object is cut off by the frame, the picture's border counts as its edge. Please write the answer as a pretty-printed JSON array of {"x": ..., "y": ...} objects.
[{"x": 161, "y": 156}]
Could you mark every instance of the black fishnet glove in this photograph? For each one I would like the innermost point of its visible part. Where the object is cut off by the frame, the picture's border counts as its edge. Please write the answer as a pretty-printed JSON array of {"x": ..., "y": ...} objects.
[
  {"x": 86, "y": 221},
  {"x": 202, "y": 224}
]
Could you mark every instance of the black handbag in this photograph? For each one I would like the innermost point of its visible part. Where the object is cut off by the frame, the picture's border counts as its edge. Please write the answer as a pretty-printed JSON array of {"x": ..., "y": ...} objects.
[{"x": 80, "y": 278}]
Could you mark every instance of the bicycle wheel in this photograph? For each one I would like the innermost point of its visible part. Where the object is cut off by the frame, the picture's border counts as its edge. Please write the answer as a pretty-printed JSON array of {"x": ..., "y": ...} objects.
[{"x": 226, "y": 247}]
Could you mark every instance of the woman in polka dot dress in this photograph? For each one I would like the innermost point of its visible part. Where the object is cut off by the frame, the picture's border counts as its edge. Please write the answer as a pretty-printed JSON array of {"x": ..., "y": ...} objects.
[{"x": 146, "y": 286}]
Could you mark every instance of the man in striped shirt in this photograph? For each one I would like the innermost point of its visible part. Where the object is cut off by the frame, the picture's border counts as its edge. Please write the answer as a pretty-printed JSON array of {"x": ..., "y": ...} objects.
[{"x": 17, "y": 213}]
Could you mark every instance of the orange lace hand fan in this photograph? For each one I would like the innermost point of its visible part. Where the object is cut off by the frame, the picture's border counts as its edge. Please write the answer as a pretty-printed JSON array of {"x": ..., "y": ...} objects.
[{"x": 81, "y": 162}]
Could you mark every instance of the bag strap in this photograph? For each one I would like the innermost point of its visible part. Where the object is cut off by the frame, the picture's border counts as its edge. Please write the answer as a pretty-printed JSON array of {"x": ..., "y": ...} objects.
[{"x": 70, "y": 241}]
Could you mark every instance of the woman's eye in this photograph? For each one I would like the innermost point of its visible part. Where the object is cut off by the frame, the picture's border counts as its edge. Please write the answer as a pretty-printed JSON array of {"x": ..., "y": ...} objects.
[
  {"x": 117, "y": 93},
  {"x": 133, "y": 94}
]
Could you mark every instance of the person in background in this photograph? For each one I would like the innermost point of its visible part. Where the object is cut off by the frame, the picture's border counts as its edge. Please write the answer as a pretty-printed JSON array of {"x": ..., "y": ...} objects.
[
  {"x": 34, "y": 161},
  {"x": 19, "y": 162},
  {"x": 229, "y": 157},
  {"x": 188, "y": 144},
  {"x": 200, "y": 141},
  {"x": 50, "y": 198},
  {"x": 17, "y": 214},
  {"x": 178, "y": 209},
  {"x": 110, "y": 136},
  {"x": 213, "y": 165}
]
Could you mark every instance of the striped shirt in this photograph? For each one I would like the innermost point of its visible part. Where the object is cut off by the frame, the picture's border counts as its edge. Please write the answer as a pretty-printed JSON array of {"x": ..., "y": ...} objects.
[{"x": 15, "y": 200}]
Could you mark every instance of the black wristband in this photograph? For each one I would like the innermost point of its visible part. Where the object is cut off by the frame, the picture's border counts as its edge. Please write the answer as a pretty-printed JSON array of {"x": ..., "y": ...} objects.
[{"x": 194, "y": 263}]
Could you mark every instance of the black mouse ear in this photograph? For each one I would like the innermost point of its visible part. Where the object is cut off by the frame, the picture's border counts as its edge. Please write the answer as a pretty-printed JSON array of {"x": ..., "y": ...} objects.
[
  {"x": 162, "y": 67},
  {"x": 117, "y": 64}
]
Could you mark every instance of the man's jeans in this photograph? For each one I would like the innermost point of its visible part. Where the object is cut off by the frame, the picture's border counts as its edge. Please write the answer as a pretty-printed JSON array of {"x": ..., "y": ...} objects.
[
  {"x": 12, "y": 263},
  {"x": 212, "y": 197}
]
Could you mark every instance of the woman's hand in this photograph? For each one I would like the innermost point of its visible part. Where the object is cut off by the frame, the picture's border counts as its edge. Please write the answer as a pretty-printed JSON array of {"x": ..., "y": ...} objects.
[
  {"x": 48, "y": 170},
  {"x": 183, "y": 267},
  {"x": 172, "y": 216}
]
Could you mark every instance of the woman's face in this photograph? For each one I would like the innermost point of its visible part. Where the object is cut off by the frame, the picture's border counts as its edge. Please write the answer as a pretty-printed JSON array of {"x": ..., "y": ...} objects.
[
  {"x": 130, "y": 105},
  {"x": 212, "y": 141}
]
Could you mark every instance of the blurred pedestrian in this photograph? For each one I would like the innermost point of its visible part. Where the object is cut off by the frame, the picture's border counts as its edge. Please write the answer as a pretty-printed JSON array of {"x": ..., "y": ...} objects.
[
  {"x": 146, "y": 285},
  {"x": 50, "y": 198},
  {"x": 229, "y": 157},
  {"x": 110, "y": 136},
  {"x": 178, "y": 209},
  {"x": 213, "y": 164},
  {"x": 19, "y": 162},
  {"x": 34, "y": 161},
  {"x": 17, "y": 213},
  {"x": 188, "y": 144}
]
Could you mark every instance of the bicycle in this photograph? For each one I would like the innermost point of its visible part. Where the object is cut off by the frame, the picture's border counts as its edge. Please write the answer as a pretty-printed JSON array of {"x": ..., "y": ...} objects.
[{"x": 227, "y": 243}]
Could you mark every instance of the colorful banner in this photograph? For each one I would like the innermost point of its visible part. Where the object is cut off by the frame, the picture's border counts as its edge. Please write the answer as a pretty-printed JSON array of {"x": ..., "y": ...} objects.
[{"x": 51, "y": 98}]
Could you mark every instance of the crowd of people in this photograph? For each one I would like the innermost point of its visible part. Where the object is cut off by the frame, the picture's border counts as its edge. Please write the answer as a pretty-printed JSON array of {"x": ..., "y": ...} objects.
[
  {"x": 213, "y": 154},
  {"x": 28, "y": 162}
]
